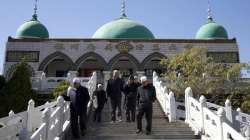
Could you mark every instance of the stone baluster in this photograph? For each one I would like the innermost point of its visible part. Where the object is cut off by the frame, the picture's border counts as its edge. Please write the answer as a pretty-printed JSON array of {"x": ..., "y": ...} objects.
[
  {"x": 221, "y": 114},
  {"x": 188, "y": 93},
  {"x": 31, "y": 112},
  {"x": 228, "y": 109},
  {"x": 247, "y": 133},
  {"x": 107, "y": 76},
  {"x": 60, "y": 103},
  {"x": 43, "y": 81},
  {"x": 238, "y": 119},
  {"x": 172, "y": 105},
  {"x": 203, "y": 103},
  {"x": 46, "y": 120}
]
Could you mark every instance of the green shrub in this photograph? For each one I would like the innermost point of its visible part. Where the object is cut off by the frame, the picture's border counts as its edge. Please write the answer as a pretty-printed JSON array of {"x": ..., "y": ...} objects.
[{"x": 61, "y": 89}]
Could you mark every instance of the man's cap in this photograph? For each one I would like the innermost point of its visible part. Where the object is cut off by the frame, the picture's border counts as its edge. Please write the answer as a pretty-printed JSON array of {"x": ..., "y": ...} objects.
[
  {"x": 99, "y": 85},
  {"x": 76, "y": 80},
  {"x": 144, "y": 79}
]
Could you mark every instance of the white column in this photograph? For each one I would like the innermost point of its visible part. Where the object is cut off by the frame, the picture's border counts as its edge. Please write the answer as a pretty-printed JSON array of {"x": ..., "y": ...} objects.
[
  {"x": 221, "y": 114},
  {"x": 172, "y": 107},
  {"x": 46, "y": 120},
  {"x": 188, "y": 94},
  {"x": 107, "y": 75},
  {"x": 203, "y": 103},
  {"x": 31, "y": 118},
  {"x": 43, "y": 81},
  {"x": 228, "y": 109}
]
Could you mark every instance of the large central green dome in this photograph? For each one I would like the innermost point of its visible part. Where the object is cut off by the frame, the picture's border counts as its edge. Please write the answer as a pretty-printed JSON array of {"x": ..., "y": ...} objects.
[{"x": 123, "y": 28}]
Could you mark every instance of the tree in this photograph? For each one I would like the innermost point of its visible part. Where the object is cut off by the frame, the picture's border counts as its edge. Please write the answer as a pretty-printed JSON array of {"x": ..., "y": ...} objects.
[
  {"x": 18, "y": 91},
  {"x": 193, "y": 68}
]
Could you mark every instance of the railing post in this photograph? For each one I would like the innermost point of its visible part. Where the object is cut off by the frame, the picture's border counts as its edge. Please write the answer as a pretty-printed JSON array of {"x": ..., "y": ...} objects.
[
  {"x": 237, "y": 121},
  {"x": 188, "y": 93},
  {"x": 203, "y": 103},
  {"x": 43, "y": 81},
  {"x": 172, "y": 107},
  {"x": 247, "y": 133},
  {"x": 228, "y": 109},
  {"x": 60, "y": 103},
  {"x": 107, "y": 75},
  {"x": 30, "y": 119},
  {"x": 46, "y": 120},
  {"x": 221, "y": 115}
]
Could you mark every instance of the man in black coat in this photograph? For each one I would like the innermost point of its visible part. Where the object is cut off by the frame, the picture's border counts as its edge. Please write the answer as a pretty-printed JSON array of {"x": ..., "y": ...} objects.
[
  {"x": 100, "y": 95},
  {"x": 130, "y": 91},
  {"x": 146, "y": 96},
  {"x": 114, "y": 89},
  {"x": 79, "y": 99}
]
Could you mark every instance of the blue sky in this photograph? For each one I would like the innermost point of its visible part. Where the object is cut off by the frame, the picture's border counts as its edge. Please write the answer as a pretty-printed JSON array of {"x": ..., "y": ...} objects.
[{"x": 165, "y": 18}]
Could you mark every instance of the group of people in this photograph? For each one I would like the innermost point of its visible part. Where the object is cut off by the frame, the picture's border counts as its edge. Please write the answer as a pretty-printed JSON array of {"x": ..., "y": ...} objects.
[{"x": 137, "y": 94}]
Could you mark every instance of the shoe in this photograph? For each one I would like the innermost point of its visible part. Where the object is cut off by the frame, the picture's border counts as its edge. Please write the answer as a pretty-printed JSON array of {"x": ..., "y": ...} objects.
[
  {"x": 138, "y": 131},
  {"x": 119, "y": 120},
  {"x": 112, "y": 122},
  {"x": 148, "y": 133}
]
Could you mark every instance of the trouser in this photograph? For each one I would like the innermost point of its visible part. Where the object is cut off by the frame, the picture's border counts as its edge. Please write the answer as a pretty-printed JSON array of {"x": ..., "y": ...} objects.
[
  {"x": 130, "y": 110},
  {"x": 148, "y": 110},
  {"x": 74, "y": 118},
  {"x": 116, "y": 103},
  {"x": 98, "y": 114}
]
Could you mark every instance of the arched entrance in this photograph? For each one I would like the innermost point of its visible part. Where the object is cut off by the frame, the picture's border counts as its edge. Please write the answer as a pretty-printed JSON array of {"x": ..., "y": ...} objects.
[
  {"x": 90, "y": 62},
  {"x": 56, "y": 65},
  {"x": 125, "y": 63},
  {"x": 152, "y": 63}
]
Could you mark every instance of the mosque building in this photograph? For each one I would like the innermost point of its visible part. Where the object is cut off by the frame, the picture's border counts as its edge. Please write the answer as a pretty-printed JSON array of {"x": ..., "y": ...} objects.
[{"x": 121, "y": 44}]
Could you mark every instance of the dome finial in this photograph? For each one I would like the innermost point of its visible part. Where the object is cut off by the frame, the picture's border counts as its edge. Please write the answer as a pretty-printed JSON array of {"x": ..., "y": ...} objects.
[
  {"x": 123, "y": 9},
  {"x": 210, "y": 15},
  {"x": 34, "y": 17}
]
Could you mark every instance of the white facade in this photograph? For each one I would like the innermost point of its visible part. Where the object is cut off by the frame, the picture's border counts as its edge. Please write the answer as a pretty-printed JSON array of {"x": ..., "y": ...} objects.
[{"x": 100, "y": 54}]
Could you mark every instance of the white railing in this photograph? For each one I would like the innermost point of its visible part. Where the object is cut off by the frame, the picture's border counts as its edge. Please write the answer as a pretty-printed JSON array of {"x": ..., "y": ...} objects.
[
  {"x": 44, "y": 83},
  {"x": 210, "y": 120},
  {"x": 210, "y": 124},
  {"x": 165, "y": 98},
  {"x": 45, "y": 122}
]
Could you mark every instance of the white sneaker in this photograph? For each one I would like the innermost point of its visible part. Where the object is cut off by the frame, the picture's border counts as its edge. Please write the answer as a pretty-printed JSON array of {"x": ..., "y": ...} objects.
[{"x": 112, "y": 122}]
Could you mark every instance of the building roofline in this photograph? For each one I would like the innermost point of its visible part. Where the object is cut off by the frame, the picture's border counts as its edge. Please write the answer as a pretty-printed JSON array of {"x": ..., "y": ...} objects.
[{"x": 11, "y": 39}]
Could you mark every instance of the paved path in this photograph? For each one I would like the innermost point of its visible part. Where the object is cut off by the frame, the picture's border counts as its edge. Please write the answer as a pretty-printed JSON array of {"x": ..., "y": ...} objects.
[{"x": 126, "y": 131}]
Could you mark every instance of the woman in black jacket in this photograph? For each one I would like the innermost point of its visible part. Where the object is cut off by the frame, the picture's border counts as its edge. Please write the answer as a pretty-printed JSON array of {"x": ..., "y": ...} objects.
[{"x": 100, "y": 96}]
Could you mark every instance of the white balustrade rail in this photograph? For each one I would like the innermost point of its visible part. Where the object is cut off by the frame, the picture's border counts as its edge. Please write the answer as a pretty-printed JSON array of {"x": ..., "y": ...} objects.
[
  {"x": 214, "y": 125},
  {"x": 46, "y": 122},
  {"x": 165, "y": 98},
  {"x": 212, "y": 121}
]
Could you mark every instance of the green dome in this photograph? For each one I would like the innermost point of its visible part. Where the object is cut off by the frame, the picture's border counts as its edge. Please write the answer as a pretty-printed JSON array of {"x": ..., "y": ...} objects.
[
  {"x": 212, "y": 30},
  {"x": 32, "y": 29},
  {"x": 123, "y": 28}
]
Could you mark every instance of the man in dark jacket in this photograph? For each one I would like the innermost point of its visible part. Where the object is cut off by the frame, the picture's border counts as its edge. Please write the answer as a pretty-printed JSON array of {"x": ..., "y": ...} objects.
[
  {"x": 79, "y": 99},
  {"x": 130, "y": 91},
  {"x": 114, "y": 89},
  {"x": 146, "y": 96},
  {"x": 100, "y": 95}
]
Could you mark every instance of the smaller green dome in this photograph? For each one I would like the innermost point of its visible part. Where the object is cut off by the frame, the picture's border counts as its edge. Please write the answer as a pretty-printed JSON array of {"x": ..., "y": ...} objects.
[
  {"x": 32, "y": 29},
  {"x": 212, "y": 30},
  {"x": 123, "y": 28}
]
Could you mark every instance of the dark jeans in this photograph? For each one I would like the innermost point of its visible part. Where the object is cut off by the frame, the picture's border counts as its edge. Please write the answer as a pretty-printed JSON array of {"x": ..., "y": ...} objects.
[
  {"x": 98, "y": 114},
  {"x": 148, "y": 110},
  {"x": 130, "y": 110},
  {"x": 74, "y": 121},
  {"x": 116, "y": 103}
]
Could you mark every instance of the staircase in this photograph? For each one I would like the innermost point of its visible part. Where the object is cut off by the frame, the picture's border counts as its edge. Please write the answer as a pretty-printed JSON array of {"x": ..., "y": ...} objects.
[{"x": 126, "y": 131}]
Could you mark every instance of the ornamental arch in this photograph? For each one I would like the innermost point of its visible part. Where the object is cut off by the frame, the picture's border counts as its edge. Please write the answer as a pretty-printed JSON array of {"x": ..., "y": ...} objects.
[
  {"x": 125, "y": 62},
  {"x": 57, "y": 65},
  {"x": 90, "y": 62}
]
